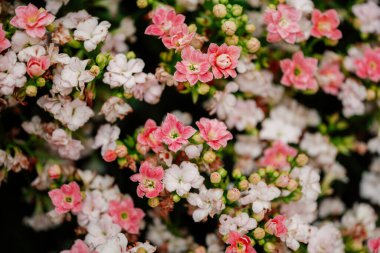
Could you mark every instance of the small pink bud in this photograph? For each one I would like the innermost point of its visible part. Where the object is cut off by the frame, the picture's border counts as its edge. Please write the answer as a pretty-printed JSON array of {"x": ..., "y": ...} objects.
[
  {"x": 110, "y": 156},
  {"x": 54, "y": 171}
]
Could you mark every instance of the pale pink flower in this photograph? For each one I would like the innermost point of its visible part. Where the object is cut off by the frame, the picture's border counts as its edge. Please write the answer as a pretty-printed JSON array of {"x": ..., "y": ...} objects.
[
  {"x": 277, "y": 155},
  {"x": 374, "y": 245},
  {"x": 368, "y": 15},
  {"x": 67, "y": 198},
  {"x": 194, "y": 67},
  {"x": 239, "y": 243},
  {"x": 214, "y": 132},
  {"x": 282, "y": 24},
  {"x": 147, "y": 137},
  {"x": 32, "y": 19},
  {"x": 115, "y": 108},
  {"x": 126, "y": 215},
  {"x": 164, "y": 20},
  {"x": 179, "y": 38},
  {"x": 37, "y": 66},
  {"x": 150, "y": 180},
  {"x": 78, "y": 247},
  {"x": 326, "y": 24},
  {"x": 174, "y": 133},
  {"x": 299, "y": 72},
  {"x": 223, "y": 60},
  {"x": 369, "y": 65},
  {"x": 330, "y": 78},
  {"x": 4, "y": 42},
  {"x": 276, "y": 226}
]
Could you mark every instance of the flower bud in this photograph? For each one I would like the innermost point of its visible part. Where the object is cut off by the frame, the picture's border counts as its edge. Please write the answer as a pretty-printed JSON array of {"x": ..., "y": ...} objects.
[
  {"x": 192, "y": 151},
  {"x": 197, "y": 138},
  {"x": 253, "y": 45},
  {"x": 141, "y": 250},
  {"x": 243, "y": 185},
  {"x": 232, "y": 40},
  {"x": 259, "y": 216},
  {"x": 131, "y": 55},
  {"x": 371, "y": 95},
  {"x": 121, "y": 151},
  {"x": 302, "y": 160},
  {"x": 209, "y": 156},
  {"x": 200, "y": 249},
  {"x": 40, "y": 82},
  {"x": 176, "y": 198},
  {"x": 292, "y": 185},
  {"x": 153, "y": 202},
  {"x": 236, "y": 173},
  {"x": 269, "y": 247},
  {"x": 229, "y": 27},
  {"x": 94, "y": 70},
  {"x": 54, "y": 171},
  {"x": 282, "y": 181},
  {"x": 219, "y": 10},
  {"x": 192, "y": 28},
  {"x": 233, "y": 195},
  {"x": 142, "y": 3},
  {"x": 237, "y": 10},
  {"x": 259, "y": 233},
  {"x": 254, "y": 178},
  {"x": 109, "y": 156},
  {"x": 31, "y": 90},
  {"x": 215, "y": 178},
  {"x": 250, "y": 28},
  {"x": 222, "y": 172},
  {"x": 203, "y": 88},
  {"x": 101, "y": 60}
]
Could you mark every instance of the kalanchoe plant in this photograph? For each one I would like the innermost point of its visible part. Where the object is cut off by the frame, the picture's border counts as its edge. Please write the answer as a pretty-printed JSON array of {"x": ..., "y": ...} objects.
[{"x": 201, "y": 126}]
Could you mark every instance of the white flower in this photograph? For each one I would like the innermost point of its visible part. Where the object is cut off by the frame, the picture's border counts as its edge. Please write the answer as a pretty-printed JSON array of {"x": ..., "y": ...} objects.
[
  {"x": 115, "y": 108},
  {"x": 260, "y": 196},
  {"x": 91, "y": 33},
  {"x": 193, "y": 151},
  {"x": 309, "y": 180},
  {"x": 374, "y": 145},
  {"x": 305, "y": 209},
  {"x": 223, "y": 102},
  {"x": 114, "y": 44},
  {"x": 331, "y": 206},
  {"x": 21, "y": 39},
  {"x": 214, "y": 244},
  {"x": 101, "y": 230},
  {"x": 326, "y": 239},
  {"x": 241, "y": 223},
  {"x": 72, "y": 19},
  {"x": 53, "y": 6},
  {"x": 93, "y": 207},
  {"x": 148, "y": 248},
  {"x": 352, "y": 95},
  {"x": 245, "y": 115},
  {"x": 369, "y": 16},
  {"x": 274, "y": 129},
  {"x": 72, "y": 75},
  {"x": 208, "y": 201},
  {"x": 115, "y": 244},
  {"x": 150, "y": 90},
  {"x": 319, "y": 147},
  {"x": 297, "y": 231},
  {"x": 66, "y": 146},
  {"x": 12, "y": 73},
  {"x": 370, "y": 187},
  {"x": 361, "y": 216},
  {"x": 74, "y": 114},
  {"x": 181, "y": 179},
  {"x": 305, "y": 6},
  {"x": 123, "y": 72},
  {"x": 106, "y": 137}
]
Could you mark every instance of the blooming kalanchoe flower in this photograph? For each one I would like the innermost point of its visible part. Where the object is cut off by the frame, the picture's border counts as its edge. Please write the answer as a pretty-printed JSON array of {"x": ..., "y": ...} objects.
[
  {"x": 178, "y": 38},
  {"x": 115, "y": 108},
  {"x": 330, "y": 78},
  {"x": 126, "y": 215},
  {"x": 100, "y": 230},
  {"x": 150, "y": 180},
  {"x": 194, "y": 67},
  {"x": 214, "y": 132},
  {"x": 67, "y": 198},
  {"x": 4, "y": 42},
  {"x": 239, "y": 243},
  {"x": 283, "y": 24},
  {"x": 260, "y": 196},
  {"x": 181, "y": 179},
  {"x": 241, "y": 223},
  {"x": 12, "y": 73},
  {"x": 147, "y": 138},
  {"x": 174, "y": 133},
  {"x": 277, "y": 155},
  {"x": 164, "y": 20},
  {"x": 299, "y": 72},
  {"x": 368, "y": 67},
  {"x": 325, "y": 24},
  {"x": 223, "y": 60},
  {"x": 91, "y": 33},
  {"x": 37, "y": 66},
  {"x": 276, "y": 226},
  {"x": 32, "y": 19},
  {"x": 368, "y": 15}
]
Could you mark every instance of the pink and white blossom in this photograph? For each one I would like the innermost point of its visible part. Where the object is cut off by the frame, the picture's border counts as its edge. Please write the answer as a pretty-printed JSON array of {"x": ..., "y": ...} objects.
[
  {"x": 326, "y": 24},
  {"x": 223, "y": 60},
  {"x": 67, "y": 198},
  {"x": 214, "y": 132},
  {"x": 150, "y": 180}
]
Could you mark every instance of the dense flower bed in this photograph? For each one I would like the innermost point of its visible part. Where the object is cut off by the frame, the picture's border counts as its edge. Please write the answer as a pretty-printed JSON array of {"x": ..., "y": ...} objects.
[{"x": 289, "y": 90}]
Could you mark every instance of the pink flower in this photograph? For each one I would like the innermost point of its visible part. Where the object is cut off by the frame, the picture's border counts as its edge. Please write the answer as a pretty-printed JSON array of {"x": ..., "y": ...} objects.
[
  {"x": 194, "y": 67},
  {"x": 4, "y": 42},
  {"x": 126, "y": 215},
  {"x": 174, "y": 133},
  {"x": 276, "y": 226},
  {"x": 164, "y": 20},
  {"x": 32, "y": 19},
  {"x": 214, "y": 132},
  {"x": 36, "y": 66},
  {"x": 283, "y": 24},
  {"x": 239, "y": 244},
  {"x": 179, "y": 38},
  {"x": 110, "y": 156},
  {"x": 147, "y": 137},
  {"x": 299, "y": 72},
  {"x": 277, "y": 155},
  {"x": 326, "y": 24},
  {"x": 374, "y": 245},
  {"x": 330, "y": 78},
  {"x": 67, "y": 198},
  {"x": 223, "y": 60},
  {"x": 78, "y": 247},
  {"x": 369, "y": 65},
  {"x": 150, "y": 180}
]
